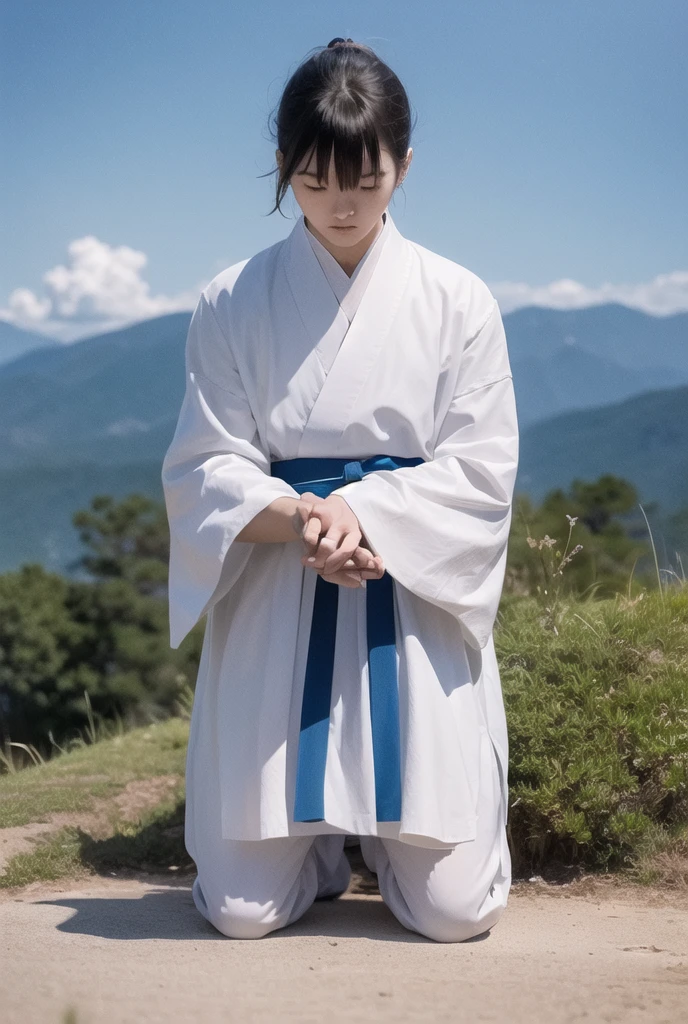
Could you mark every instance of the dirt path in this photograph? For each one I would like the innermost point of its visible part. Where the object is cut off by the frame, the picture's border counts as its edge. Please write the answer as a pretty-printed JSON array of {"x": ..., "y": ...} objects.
[
  {"x": 138, "y": 796},
  {"x": 138, "y": 952}
]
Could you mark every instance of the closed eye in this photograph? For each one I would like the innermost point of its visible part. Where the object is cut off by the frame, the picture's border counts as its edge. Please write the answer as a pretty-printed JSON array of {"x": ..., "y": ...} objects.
[{"x": 323, "y": 188}]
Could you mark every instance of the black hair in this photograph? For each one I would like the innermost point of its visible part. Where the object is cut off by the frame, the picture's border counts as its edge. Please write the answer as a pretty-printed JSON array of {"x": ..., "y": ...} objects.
[{"x": 342, "y": 96}]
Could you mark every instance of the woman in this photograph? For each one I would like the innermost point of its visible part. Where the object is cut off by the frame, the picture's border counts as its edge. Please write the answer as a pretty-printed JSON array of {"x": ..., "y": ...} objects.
[{"x": 339, "y": 492}]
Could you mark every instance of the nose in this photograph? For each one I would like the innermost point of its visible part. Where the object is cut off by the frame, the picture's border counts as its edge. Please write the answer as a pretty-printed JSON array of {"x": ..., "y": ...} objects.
[{"x": 343, "y": 209}]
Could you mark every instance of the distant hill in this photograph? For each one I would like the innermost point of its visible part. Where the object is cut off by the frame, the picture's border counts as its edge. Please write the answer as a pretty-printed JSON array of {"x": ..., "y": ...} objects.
[
  {"x": 632, "y": 339},
  {"x": 16, "y": 342},
  {"x": 644, "y": 439},
  {"x": 98, "y": 415},
  {"x": 574, "y": 379},
  {"x": 582, "y": 358},
  {"x": 109, "y": 399}
]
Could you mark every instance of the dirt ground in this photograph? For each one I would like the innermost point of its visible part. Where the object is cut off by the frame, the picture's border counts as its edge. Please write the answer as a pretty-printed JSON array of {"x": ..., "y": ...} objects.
[
  {"x": 138, "y": 796},
  {"x": 119, "y": 951}
]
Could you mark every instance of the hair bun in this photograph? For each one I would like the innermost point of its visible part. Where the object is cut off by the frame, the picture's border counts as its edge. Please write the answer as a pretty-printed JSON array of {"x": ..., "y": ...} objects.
[{"x": 338, "y": 39}]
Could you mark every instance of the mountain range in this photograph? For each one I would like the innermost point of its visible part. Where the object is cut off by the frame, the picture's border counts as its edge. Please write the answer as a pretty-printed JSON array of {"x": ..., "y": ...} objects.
[
  {"x": 601, "y": 389},
  {"x": 15, "y": 342}
]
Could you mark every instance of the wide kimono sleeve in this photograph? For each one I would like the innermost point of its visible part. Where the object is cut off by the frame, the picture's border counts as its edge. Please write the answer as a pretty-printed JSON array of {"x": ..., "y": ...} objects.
[
  {"x": 442, "y": 527},
  {"x": 215, "y": 476}
]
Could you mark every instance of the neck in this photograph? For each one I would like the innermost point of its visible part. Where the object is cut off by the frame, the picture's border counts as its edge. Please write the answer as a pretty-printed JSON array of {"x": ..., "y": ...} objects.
[{"x": 348, "y": 257}]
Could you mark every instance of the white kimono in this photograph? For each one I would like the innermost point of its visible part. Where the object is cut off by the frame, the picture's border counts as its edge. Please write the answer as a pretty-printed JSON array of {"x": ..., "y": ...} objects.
[{"x": 283, "y": 362}]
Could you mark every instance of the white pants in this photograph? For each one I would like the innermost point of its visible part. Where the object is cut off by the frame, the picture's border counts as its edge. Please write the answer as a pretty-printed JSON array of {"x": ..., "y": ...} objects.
[{"x": 247, "y": 889}]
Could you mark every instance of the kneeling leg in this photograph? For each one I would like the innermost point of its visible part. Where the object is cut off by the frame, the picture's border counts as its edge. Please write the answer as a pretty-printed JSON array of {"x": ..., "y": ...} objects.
[
  {"x": 250, "y": 888},
  {"x": 453, "y": 894}
]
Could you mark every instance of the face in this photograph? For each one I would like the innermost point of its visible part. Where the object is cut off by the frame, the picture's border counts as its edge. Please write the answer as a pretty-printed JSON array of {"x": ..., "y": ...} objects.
[{"x": 345, "y": 217}]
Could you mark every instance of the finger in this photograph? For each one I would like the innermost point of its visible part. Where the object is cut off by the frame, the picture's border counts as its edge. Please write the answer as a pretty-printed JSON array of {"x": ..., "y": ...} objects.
[
  {"x": 334, "y": 535},
  {"x": 362, "y": 558},
  {"x": 365, "y": 559},
  {"x": 325, "y": 548},
  {"x": 349, "y": 565},
  {"x": 374, "y": 572},
  {"x": 344, "y": 579},
  {"x": 311, "y": 535},
  {"x": 342, "y": 554},
  {"x": 371, "y": 574},
  {"x": 301, "y": 520},
  {"x": 366, "y": 574}
]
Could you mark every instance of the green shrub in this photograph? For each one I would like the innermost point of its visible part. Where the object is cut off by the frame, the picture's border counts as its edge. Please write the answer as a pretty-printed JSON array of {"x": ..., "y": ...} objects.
[{"x": 598, "y": 726}]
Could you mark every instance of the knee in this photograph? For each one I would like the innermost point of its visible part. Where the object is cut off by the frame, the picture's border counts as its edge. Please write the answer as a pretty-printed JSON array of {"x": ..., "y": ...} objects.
[
  {"x": 238, "y": 919},
  {"x": 456, "y": 919}
]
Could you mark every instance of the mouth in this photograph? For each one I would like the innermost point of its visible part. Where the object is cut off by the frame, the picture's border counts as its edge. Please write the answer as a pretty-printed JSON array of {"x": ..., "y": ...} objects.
[{"x": 343, "y": 227}]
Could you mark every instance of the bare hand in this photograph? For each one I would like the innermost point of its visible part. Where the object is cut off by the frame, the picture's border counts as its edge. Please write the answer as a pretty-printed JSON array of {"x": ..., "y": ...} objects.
[
  {"x": 334, "y": 543},
  {"x": 363, "y": 565}
]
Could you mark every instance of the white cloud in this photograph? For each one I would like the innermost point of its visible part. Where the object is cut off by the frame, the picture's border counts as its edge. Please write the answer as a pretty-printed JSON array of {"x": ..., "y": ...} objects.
[
  {"x": 664, "y": 294},
  {"x": 100, "y": 288}
]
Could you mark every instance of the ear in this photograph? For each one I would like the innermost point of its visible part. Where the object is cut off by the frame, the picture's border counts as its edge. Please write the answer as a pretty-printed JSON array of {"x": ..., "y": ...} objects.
[
  {"x": 405, "y": 166},
  {"x": 279, "y": 157}
]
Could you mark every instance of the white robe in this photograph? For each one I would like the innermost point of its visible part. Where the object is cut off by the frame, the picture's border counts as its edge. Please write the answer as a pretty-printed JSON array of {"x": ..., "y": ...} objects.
[{"x": 276, "y": 370}]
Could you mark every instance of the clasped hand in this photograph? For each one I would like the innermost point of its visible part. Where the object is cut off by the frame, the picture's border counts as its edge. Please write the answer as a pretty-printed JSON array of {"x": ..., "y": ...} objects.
[{"x": 335, "y": 546}]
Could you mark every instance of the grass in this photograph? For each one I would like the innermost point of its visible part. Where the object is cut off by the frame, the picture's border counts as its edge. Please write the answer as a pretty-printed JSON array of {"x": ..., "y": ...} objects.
[
  {"x": 86, "y": 781},
  {"x": 73, "y": 780}
]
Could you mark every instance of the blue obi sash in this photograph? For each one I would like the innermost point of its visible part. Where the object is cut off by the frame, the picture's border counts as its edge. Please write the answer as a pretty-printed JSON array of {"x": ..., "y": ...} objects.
[{"x": 322, "y": 476}]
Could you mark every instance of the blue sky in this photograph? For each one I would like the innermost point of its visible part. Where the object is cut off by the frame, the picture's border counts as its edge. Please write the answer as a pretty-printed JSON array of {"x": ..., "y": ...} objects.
[{"x": 550, "y": 152}]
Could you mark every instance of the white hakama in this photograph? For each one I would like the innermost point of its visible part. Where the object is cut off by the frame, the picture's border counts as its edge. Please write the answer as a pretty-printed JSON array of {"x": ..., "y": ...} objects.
[{"x": 289, "y": 358}]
